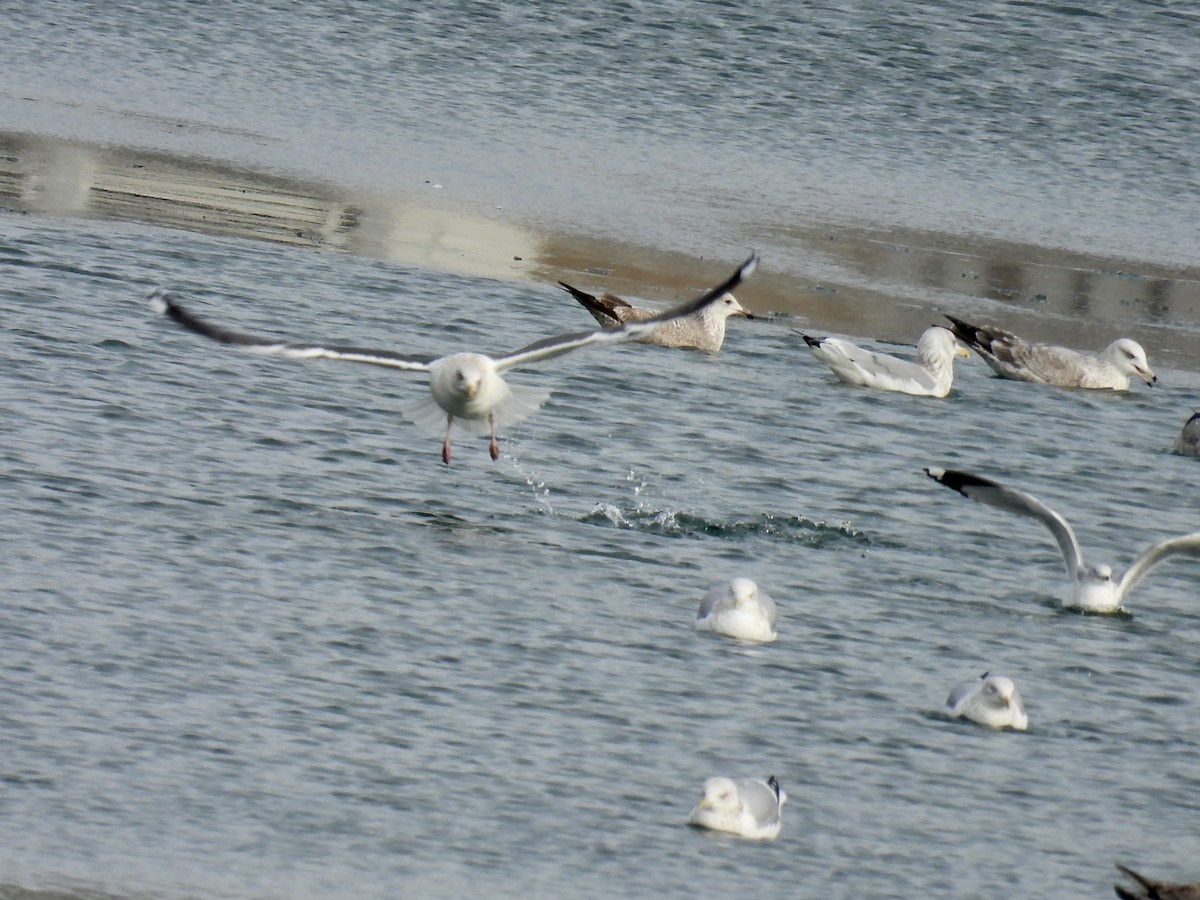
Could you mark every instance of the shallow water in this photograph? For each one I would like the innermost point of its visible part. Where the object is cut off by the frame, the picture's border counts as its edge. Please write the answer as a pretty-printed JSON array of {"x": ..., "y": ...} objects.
[{"x": 258, "y": 640}]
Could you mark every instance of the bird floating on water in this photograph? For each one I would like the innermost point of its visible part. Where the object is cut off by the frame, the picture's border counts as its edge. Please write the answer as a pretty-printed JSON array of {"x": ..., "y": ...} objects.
[
  {"x": 1011, "y": 357},
  {"x": 702, "y": 330},
  {"x": 738, "y": 609},
  {"x": 990, "y": 700},
  {"x": 930, "y": 376},
  {"x": 746, "y": 807}
]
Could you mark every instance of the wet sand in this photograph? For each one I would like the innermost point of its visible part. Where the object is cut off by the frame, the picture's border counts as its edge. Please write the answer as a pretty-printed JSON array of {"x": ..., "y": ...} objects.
[{"x": 887, "y": 284}]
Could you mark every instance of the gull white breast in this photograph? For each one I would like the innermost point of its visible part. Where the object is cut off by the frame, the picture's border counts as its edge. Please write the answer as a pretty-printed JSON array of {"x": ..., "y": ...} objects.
[
  {"x": 990, "y": 700},
  {"x": 745, "y": 807},
  {"x": 740, "y": 610}
]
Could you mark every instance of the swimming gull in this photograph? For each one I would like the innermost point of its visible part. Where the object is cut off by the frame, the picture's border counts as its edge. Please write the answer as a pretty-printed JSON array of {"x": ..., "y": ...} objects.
[
  {"x": 990, "y": 700},
  {"x": 703, "y": 330},
  {"x": 738, "y": 609},
  {"x": 747, "y": 807},
  {"x": 1149, "y": 889},
  {"x": 930, "y": 376},
  {"x": 1093, "y": 588},
  {"x": 1011, "y": 357},
  {"x": 1188, "y": 442},
  {"x": 467, "y": 388}
]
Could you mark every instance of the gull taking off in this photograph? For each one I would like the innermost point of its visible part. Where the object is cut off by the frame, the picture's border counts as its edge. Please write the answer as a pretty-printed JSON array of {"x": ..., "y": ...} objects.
[
  {"x": 930, "y": 376},
  {"x": 1011, "y": 357},
  {"x": 702, "y": 330},
  {"x": 1093, "y": 588},
  {"x": 738, "y": 609},
  {"x": 746, "y": 807},
  {"x": 990, "y": 700},
  {"x": 468, "y": 387}
]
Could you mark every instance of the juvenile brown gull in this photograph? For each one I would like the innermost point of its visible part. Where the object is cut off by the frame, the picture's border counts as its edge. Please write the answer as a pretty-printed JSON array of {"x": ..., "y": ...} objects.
[
  {"x": 740, "y": 610},
  {"x": 1149, "y": 889},
  {"x": 1093, "y": 588},
  {"x": 468, "y": 388},
  {"x": 990, "y": 700},
  {"x": 930, "y": 376},
  {"x": 702, "y": 330},
  {"x": 1011, "y": 357},
  {"x": 745, "y": 807}
]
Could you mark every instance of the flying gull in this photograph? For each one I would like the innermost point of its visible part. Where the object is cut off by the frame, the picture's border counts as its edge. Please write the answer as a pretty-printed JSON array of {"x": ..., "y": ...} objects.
[
  {"x": 990, "y": 700},
  {"x": 702, "y": 330},
  {"x": 468, "y": 387},
  {"x": 1149, "y": 889},
  {"x": 1011, "y": 357},
  {"x": 1093, "y": 588},
  {"x": 930, "y": 376},
  {"x": 746, "y": 807},
  {"x": 738, "y": 609}
]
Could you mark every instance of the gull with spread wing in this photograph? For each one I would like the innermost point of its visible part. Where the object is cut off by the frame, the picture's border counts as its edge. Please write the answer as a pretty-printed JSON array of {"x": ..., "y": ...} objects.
[
  {"x": 1093, "y": 588},
  {"x": 468, "y": 388}
]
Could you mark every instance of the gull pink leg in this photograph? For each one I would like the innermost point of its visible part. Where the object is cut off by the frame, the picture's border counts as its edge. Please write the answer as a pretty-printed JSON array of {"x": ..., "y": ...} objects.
[
  {"x": 446, "y": 442},
  {"x": 493, "y": 447}
]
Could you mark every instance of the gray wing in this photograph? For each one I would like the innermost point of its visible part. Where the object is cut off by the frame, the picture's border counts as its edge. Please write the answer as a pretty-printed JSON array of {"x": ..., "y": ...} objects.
[
  {"x": 962, "y": 690},
  {"x": 881, "y": 365},
  {"x": 1188, "y": 545},
  {"x": 165, "y": 304},
  {"x": 760, "y": 800},
  {"x": 982, "y": 490},
  {"x": 715, "y": 595},
  {"x": 550, "y": 347}
]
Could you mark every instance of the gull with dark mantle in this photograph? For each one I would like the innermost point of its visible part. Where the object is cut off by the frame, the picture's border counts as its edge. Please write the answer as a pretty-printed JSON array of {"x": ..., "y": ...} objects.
[
  {"x": 702, "y": 330},
  {"x": 1011, "y": 357},
  {"x": 467, "y": 388},
  {"x": 1093, "y": 588}
]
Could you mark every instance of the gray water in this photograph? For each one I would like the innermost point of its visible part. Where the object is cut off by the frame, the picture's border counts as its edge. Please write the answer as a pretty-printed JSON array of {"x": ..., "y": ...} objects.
[{"x": 256, "y": 640}]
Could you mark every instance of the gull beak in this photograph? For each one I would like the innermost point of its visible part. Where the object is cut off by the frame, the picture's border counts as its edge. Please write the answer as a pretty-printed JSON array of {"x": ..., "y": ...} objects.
[
  {"x": 706, "y": 803},
  {"x": 960, "y": 350},
  {"x": 471, "y": 388},
  {"x": 746, "y": 313},
  {"x": 1147, "y": 376}
]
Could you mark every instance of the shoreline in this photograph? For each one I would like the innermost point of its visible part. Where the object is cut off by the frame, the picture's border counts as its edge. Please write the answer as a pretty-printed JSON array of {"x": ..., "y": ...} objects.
[{"x": 882, "y": 283}]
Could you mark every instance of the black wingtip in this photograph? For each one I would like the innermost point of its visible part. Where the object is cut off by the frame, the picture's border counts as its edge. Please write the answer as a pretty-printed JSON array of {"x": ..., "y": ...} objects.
[
  {"x": 959, "y": 481},
  {"x": 811, "y": 341},
  {"x": 773, "y": 784}
]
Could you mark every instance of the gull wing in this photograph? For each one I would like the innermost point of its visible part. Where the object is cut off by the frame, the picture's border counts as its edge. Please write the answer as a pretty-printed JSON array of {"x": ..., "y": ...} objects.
[
  {"x": 547, "y": 348},
  {"x": 982, "y": 490},
  {"x": 168, "y": 306},
  {"x": 1188, "y": 545},
  {"x": 760, "y": 800},
  {"x": 851, "y": 362}
]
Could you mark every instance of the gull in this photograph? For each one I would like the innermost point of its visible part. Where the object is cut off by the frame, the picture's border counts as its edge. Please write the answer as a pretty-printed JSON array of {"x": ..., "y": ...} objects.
[
  {"x": 990, "y": 700},
  {"x": 468, "y": 388},
  {"x": 1093, "y": 588},
  {"x": 738, "y": 609},
  {"x": 703, "y": 330},
  {"x": 746, "y": 807},
  {"x": 930, "y": 376},
  {"x": 1148, "y": 889},
  {"x": 1011, "y": 357},
  {"x": 1188, "y": 442}
]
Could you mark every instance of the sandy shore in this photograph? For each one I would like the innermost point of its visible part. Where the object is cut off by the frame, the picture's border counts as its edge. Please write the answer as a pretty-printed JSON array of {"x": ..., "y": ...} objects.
[{"x": 886, "y": 284}]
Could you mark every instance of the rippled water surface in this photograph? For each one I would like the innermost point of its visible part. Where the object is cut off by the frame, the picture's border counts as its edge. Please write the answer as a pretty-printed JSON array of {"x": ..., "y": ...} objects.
[{"x": 258, "y": 639}]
